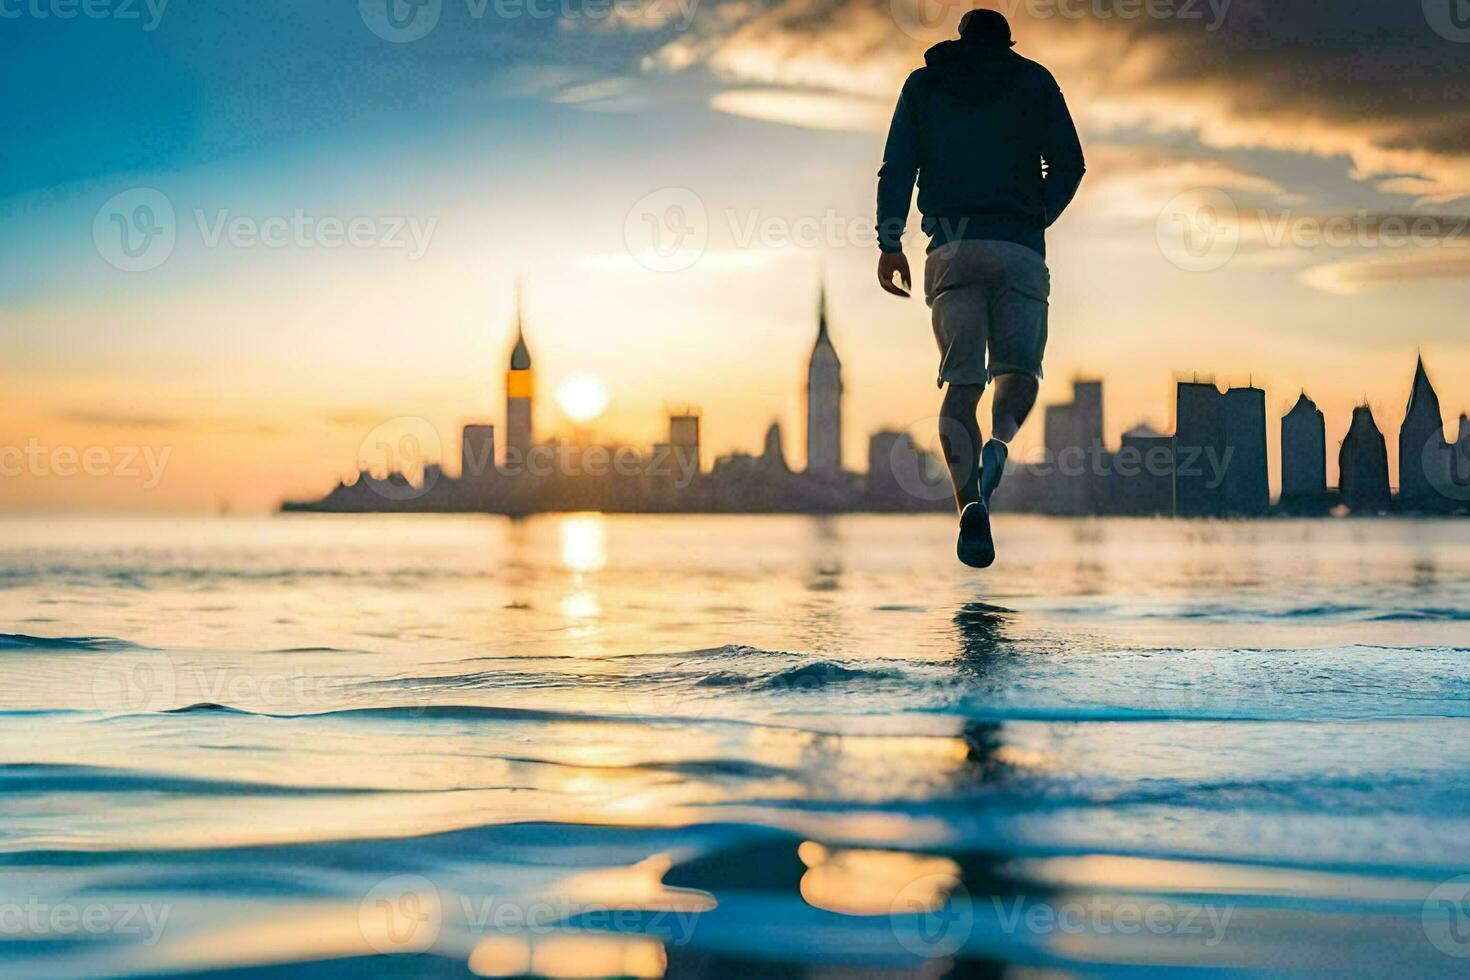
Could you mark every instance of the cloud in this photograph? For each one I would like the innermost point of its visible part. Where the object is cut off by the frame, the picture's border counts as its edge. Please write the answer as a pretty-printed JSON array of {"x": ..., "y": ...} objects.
[
  {"x": 1369, "y": 82},
  {"x": 809, "y": 109},
  {"x": 1353, "y": 275}
]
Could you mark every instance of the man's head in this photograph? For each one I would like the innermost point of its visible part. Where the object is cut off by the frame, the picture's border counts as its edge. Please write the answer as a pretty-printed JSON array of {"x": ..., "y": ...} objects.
[{"x": 989, "y": 26}]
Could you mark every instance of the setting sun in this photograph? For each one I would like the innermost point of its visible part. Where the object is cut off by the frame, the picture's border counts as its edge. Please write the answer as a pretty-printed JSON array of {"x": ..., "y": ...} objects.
[{"x": 581, "y": 397}]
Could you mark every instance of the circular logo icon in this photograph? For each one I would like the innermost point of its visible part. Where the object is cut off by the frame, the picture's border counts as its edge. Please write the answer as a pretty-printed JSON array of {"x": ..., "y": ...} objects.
[
  {"x": 135, "y": 230},
  {"x": 918, "y": 471},
  {"x": 1447, "y": 467},
  {"x": 135, "y": 680},
  {"x": 400, "y": 21},
  {"x": 932, "y": 916},
  {"x": 1450, "y": 19},
  {"x": 1199, "y": 230},
  {"x": 667, "y": 230},
  {"x": 929, "y": 20},
  {"x": 403, "y": 450},
  {"x": 401, "y": 914},
  {"x": 1446, "y": 917}
]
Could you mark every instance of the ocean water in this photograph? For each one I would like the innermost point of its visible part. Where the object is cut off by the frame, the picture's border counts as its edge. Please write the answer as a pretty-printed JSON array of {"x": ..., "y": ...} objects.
[{"x": 751, "y": 746}]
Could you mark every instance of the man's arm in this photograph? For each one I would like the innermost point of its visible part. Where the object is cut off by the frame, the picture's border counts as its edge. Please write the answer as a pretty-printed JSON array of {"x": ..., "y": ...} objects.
[
  {"x": 896, "y": 176},
  {"x": 1062, "y": 152}
]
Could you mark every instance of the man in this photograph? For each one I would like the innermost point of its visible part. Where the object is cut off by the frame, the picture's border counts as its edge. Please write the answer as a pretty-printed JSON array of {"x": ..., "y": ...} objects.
[{"x": 975, "y": 126}]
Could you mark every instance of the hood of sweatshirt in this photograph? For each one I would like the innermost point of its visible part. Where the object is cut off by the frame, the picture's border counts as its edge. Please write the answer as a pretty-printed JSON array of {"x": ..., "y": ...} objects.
[{"x": 974, "y": 71}]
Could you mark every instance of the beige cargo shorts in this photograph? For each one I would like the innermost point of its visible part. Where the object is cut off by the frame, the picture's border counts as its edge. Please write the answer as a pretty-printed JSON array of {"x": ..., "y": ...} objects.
[{"x": 989, "y": 301}]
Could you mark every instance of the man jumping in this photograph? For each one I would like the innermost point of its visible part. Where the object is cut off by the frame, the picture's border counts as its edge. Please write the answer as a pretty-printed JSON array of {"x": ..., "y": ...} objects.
[{"x": 975, "y": 126}]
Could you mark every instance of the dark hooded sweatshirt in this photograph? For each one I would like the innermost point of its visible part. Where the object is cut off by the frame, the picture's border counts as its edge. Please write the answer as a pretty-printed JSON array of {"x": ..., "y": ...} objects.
[{"x": 975, "y": 126}]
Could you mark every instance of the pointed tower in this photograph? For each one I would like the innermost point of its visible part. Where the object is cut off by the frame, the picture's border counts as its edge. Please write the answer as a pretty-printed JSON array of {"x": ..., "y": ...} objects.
[
  {"x": 1421, "y": 446},
  {"x": 773, "y": 455},
  {"x": 1362, "y": 464},
  {"x": 520, "y": 388},
  {"x": 823, "y": 401},
  {"x": 1303, "y": 453}
]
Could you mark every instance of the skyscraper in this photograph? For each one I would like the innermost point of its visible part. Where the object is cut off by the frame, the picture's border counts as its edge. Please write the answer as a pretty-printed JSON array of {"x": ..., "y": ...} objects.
[
  {"x": 684, "y": 440},
  {"x": 1303, "y": 455},
  {"x": 1363, "y": 465},
  {"x": 1244, "y": 489},
  {"x": 477, "y": 452},
  {"x": 520, "y": 389},
  {"x": 1422, "y": 454},
  {"x": 1074, "y": 445},
  {"x": 823, "y": 402},
  {"x": 1199, "y": 449}
]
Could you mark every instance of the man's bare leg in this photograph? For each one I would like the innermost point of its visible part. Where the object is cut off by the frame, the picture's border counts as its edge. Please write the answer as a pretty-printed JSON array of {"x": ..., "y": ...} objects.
[
  {"x": 1015, "y": 394},
  {"x": 960, "y": 438}
]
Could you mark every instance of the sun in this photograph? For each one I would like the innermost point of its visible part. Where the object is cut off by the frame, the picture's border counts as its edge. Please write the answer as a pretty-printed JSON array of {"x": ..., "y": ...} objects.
[{"x": 581, "y": 397}]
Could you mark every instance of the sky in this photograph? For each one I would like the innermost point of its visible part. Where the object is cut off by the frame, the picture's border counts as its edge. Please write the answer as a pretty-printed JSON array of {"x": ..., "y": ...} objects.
[{"x": 241, "y": 239}]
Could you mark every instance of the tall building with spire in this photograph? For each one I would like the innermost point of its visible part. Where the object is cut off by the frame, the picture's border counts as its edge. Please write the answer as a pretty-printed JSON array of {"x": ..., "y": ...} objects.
[
  {"x": 1421, "y": 446},
  {"x": 823, "y": 401},
  {"x": 1303, "y": 455},
  {"x": 520, "y": 389}
]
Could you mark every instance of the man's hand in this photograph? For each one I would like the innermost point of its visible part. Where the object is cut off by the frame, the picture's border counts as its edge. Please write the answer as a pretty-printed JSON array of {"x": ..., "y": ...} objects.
[{"x": 890, "y": 263}]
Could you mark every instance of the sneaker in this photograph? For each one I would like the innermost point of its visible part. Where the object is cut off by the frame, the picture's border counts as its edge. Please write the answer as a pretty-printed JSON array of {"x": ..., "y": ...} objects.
[
  {"x": 975, "y": 547},
  {"x": 992, "y": 468}
]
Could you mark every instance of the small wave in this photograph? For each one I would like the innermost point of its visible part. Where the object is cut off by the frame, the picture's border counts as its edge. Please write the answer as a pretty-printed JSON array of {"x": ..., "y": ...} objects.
[
  {"x": 22, "y": 641},
  {"x": 1418, "y": 615},
  {"x": 205, "y": 707},
  {"x": 817, "y": 674}
]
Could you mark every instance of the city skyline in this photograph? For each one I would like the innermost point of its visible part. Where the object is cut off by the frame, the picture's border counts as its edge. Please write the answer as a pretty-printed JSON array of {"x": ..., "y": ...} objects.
[{"x": 1216, "y": 462}]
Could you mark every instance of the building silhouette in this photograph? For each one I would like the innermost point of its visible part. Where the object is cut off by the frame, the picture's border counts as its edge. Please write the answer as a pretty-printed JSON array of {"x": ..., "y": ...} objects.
[
  {"x": 1422, "y": 450},
  {"x": 520, "y": 392},
  {"x": 1363, "y": 466},
  {"x": 684, "y": 439},
  {"x": 1141, "y": 477},
  {"x": 823, "y": 402},
  {"x": 1245, "y": 490},
  {"x": 1303, "y": 457},
  {"x": 773, "y": 452},
  {"x": 1074, "y": 445},
  {"x": 1199, "y": 449}
]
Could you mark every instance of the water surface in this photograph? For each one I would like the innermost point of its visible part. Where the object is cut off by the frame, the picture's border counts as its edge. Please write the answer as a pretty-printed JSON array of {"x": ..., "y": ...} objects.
[{"x": 747, "y": 746}]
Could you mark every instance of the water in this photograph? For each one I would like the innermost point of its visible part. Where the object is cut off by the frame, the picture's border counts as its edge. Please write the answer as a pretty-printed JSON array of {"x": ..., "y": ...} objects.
[{"x": 732, "y": 746}]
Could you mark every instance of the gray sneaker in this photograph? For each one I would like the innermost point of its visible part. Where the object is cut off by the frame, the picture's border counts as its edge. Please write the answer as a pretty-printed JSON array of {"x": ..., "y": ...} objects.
[{"x": 975, "y": 546}]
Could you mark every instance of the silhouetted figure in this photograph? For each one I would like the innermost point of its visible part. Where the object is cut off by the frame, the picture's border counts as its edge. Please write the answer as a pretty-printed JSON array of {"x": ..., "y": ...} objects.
[{"x": 975, "y": 126}]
